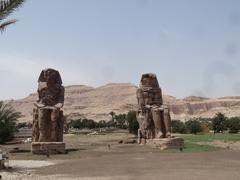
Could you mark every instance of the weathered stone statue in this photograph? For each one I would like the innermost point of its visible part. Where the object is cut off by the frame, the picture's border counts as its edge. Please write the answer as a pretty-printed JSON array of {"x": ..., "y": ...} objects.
[
  {"x": 47, "y": 114},
  {"x": 153, "y": 117}
]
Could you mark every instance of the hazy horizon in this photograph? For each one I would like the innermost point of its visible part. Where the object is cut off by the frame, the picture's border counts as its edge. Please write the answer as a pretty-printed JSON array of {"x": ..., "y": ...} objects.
[{"x": 193, "y": 47}]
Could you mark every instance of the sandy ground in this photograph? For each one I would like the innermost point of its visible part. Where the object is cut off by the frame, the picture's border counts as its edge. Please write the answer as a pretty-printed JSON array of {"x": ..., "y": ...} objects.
[
  {"x": 91, "y": 158},
  {"x": 23, "y": 169}
]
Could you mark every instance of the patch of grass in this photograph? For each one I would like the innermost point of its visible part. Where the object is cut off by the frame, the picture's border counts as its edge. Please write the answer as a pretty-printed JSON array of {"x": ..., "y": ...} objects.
[
  {"x": 193, "y": 147},
  {"x": 211, "y": 137},
  {"x": 192, "y": 141}
]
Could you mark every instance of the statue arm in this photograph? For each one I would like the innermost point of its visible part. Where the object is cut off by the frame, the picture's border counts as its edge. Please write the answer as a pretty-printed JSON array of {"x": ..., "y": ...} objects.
[{"x": 61, "y": 99}]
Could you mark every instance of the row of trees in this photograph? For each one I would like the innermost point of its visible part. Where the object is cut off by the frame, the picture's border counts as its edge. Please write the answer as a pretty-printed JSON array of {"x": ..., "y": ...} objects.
[
  {"x": 219, "y": 123},
  {"x": 191, "y": 126},
  {"x": 122, "y": 121}
]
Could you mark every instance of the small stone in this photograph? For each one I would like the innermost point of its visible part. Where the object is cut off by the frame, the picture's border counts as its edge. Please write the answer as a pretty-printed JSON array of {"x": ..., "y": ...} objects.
[{"x": 120, "y": 142}]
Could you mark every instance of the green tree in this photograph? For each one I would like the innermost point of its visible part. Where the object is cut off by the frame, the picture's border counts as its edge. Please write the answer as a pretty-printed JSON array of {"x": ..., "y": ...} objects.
[
  {"x": 219, "y": 123},
  {"x": 121, "y": 121},
  {"x": 8, "y": 120},
  {"x": 193, "y": 126},
  {"x": 133, "y": 125},
  {"x": 233, "y": 124},
  {"x": 7, "y": 7},
  {"x": 111, "y": 124},
  {"x": 102, "y": 124},
  {"x": 178, "y": 127},
  {"x": 76, "y": 124},
  {"x": 89, "y": 123}
]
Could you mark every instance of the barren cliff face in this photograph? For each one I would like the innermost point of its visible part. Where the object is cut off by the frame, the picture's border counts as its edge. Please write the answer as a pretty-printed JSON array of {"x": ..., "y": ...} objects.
[{"x": 97, "y": 103}]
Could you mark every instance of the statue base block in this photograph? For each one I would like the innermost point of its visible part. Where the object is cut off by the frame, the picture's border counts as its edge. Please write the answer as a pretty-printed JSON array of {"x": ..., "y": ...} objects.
[
  {"x": 48, "y": 148},
  {"x": 167, "y": 143}
]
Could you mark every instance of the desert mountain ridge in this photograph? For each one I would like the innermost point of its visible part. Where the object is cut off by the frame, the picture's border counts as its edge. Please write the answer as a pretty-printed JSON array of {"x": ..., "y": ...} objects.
[{"x": 97, "y": 103}]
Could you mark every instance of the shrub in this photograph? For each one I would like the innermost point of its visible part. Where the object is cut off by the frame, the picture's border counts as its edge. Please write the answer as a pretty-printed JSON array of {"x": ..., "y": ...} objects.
[
  {"x": 8, "y": 120},
  {"x": 121, "y": 121},
  {"x": 193, "y": 126},
  {"x": 205, "y": 126},
  {"x": 178, "y": 127},
  {"x": 233, "y": 124},
  {"x": 21, "y": 125}
]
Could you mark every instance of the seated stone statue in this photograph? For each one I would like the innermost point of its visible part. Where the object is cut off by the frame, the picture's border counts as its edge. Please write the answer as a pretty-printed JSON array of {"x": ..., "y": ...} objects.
[
  {"x": 47, "y": 114},
  {"x": 153, "y": 117}
]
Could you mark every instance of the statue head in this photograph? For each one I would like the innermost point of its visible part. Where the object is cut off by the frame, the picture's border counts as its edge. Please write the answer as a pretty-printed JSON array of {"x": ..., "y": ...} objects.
[
  {"x": 50, "y": 76},
  {"x": 149, "y": 92},
  {"x": 50, "y": 89},
  {"x": 149, "y": 80}
]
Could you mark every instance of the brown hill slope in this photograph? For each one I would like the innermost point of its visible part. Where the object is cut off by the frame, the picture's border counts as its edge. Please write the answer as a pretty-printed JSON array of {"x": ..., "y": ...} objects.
[{"x": 96, "y": 103}]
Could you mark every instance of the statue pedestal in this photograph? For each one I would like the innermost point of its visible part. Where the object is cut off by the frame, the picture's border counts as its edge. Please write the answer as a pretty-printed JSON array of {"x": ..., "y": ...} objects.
[
  {"x": 167, "y": 143},
  {"x": 48, "y": 148}
]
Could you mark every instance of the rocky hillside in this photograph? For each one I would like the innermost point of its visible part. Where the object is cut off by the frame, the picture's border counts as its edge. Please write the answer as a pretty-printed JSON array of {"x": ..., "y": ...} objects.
[{"x": 96, "y": 103}]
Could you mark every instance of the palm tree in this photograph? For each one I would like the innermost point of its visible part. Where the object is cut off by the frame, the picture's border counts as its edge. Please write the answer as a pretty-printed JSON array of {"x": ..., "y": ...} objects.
[
  {"x": 6, "y": 8},
  {"x": 8, "y": 119},
  {"x": 112, "y": 114}
]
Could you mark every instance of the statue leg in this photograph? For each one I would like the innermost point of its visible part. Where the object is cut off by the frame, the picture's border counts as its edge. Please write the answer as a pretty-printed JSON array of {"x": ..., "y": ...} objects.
[
  {"x": 140, "y": 119},
  {"x": 44, "y": 123},
  {"x": 147, "y": 125},
  {"x": 35, "y": 126},
  {"x": 158, "y": 122},
  {"x": 139, "y": 136},
  {"x": 167, "y": 122},
  {"x": 54, "y": 125},
  {"x": 60, "y": 126},
  {"x": 144, "y": 137}
]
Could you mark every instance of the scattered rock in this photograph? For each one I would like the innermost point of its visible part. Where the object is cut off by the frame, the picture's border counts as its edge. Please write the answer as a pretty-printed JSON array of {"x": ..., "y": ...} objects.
[
  {"x": 130, "y": 142},
  {"x": 120, "y": 142}
]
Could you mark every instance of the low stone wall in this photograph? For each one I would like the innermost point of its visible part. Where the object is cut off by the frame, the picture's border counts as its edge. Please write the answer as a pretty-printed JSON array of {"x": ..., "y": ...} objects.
[{"x": 48, "y": 148}]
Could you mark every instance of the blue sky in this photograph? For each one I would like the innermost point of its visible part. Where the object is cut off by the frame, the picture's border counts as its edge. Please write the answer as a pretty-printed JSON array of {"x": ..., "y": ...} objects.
[{"x": 192, "y": 45}]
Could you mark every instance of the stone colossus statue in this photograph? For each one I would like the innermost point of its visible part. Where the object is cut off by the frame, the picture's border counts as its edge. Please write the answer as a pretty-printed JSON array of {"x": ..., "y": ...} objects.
[
  {"x": 47, "y": 114},
  {"x": 153, "y": 117}
]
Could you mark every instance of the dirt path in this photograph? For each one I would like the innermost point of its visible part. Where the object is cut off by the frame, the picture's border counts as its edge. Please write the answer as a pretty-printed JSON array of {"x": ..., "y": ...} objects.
[
  {"x": 220, "y": 165},
  {"x": 94, "y": 160}
]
